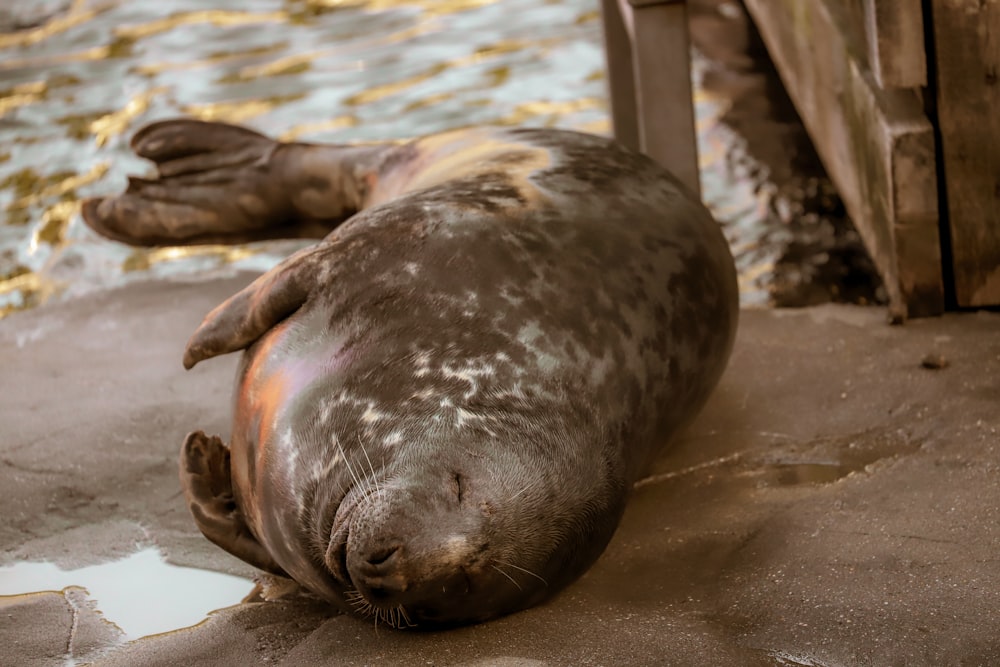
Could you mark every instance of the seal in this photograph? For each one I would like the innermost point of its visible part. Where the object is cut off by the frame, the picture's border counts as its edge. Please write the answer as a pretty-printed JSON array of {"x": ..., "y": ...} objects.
[{"x": 443, "y": 404}]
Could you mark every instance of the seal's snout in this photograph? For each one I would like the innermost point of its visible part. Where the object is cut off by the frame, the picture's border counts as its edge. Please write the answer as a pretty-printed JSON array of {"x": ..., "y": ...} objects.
[
  {"x": 410, "y": 548},
  {"x": 429, "y": 585}
]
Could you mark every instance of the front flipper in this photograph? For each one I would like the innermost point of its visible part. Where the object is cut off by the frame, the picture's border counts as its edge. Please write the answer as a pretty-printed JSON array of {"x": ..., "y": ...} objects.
[
  {"x": 247, "y": 315},
  {"x": 208, "y": 487}
]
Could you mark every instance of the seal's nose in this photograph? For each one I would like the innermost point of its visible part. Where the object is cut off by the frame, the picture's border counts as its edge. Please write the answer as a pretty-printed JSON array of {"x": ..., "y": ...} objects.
[
  {"x": 414, "y": 544},
  {"x": 382, "y": 557},
  {"x": 379, "y": 571},
  {"x": 403, "y": 573}
]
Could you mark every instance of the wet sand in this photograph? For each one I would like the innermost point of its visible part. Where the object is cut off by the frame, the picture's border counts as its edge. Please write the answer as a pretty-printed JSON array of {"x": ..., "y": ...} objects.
[{"x": 835, "y": 503}]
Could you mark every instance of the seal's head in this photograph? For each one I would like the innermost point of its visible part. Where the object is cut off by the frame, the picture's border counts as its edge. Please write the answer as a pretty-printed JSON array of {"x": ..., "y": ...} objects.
[
  {"x": 403, "y": 507},
  {"x": 464, "y": 536},
  {"x": 461, "y": 536}
]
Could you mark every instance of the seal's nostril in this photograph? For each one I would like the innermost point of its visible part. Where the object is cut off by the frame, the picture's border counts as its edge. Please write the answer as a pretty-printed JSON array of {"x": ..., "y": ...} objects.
[
  {"x": 382, "y": 556},
  {"x": 380, "y": 574}
]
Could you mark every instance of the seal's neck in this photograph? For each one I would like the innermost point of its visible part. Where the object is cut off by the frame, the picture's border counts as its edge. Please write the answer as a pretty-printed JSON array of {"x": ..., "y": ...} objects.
[{"x": 327, "y": 183}]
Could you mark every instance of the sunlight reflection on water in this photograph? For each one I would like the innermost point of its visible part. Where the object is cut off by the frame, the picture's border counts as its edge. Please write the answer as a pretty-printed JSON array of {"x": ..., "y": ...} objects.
[
  {"x": 141, "y": 594},
  {"x": 76, "y": 86}
]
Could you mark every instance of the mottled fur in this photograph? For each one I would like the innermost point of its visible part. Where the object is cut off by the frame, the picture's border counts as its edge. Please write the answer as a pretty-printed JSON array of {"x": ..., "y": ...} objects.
[{"x": 443, "y": 404}]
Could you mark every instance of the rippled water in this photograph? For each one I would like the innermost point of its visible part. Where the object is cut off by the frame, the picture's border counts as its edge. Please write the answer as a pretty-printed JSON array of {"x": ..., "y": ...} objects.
[{"x": 75, "y": 86}]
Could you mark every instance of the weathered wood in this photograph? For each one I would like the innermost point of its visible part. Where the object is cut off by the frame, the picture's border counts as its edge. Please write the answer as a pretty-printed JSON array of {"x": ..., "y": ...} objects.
[
  {"x": 621, "y": 76},
  {"x": 967, "y": 46},
  {"x": 877, "y": 145},
  {"x": 894, "y": 31},
  {"x": 661, "y": 53},
  {"x": 657, "y": 110}
]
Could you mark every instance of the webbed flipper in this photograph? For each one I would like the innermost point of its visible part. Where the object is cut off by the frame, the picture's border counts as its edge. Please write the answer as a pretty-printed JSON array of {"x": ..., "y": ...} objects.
[
  {"x": 221, "y": 183},
  {"x": 247, "y": 315},
  {"x": 208, "y": 487}
]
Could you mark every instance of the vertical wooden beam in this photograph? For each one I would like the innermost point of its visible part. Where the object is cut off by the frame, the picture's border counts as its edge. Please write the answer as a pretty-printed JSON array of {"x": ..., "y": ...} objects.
[
  {"x": 661, "y": 55},
  {"x": 657, "y": 111},
  {"x": 894, "y": 31},
  {"x": 967, "y": 48},
  {"x": 621, "y": 75}
]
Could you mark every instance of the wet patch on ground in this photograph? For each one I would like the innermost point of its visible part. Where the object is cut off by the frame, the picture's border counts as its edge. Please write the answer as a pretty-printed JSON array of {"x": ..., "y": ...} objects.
[
  {"x": 140, "y": 595},
  {"x": 827, "y": 460},
  {"x": 785, "y": 463}
]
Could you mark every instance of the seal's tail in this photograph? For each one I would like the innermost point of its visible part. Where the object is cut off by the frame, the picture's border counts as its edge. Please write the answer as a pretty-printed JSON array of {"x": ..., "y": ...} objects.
[{"x": 220, "y": 183}]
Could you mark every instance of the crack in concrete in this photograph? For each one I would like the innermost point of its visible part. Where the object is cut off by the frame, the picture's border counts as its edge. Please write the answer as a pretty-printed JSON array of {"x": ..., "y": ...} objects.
[
  {"x": 714, "y": 463},
  {"x": 75, "y": 610},
  {"x": 33, "y": 470},
  {"x": 902, "y": 536}
]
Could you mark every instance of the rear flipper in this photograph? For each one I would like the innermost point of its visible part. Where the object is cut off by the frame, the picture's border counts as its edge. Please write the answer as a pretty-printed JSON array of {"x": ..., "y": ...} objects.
[
  {"x": 220, "y": 183},
  {"x": 208, "y": 488}
]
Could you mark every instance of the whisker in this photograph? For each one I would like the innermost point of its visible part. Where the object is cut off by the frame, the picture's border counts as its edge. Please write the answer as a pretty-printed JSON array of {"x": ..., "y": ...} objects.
[
  {"x": 347, "y": 462},
  {"x": 518, "y": 493},
  {"x": 364, "y": 451},
  {"x": 516, "y": 567},
  {"x": 402, "y": 612},
  {"x": 392, "y": 617},
  {"x": 513, "y": 581},
  {"x": 365, "y": 498}
]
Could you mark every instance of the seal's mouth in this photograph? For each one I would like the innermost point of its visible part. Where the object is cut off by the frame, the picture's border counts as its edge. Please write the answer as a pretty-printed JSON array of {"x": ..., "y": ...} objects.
[{"x": 336, "y": 553}]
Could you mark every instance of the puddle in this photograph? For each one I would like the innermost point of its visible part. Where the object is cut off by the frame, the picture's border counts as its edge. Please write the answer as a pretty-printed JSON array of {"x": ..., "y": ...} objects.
[
  {"x": 824, "y": 461},
  {"x": 793, "y": 474},
  {"x": 828, "y": 462},
  {"x": 141, "y": 594}
]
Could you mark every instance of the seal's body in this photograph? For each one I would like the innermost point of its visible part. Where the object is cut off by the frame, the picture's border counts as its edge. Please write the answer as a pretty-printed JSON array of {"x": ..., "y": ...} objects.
[{"x": 443, "y": 404}]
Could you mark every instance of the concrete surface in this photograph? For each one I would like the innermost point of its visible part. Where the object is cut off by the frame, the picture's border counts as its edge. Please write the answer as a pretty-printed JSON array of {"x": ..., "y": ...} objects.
[{"x": 835, "y": 504}]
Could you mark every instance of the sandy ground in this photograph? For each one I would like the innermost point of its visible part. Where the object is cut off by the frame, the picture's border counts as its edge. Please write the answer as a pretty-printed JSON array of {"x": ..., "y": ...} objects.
[{"x": 836, "y": 503}]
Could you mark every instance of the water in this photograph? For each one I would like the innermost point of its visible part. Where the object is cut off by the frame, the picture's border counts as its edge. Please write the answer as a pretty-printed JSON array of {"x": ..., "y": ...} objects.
[
  {"x": 142, "y": 594},
  {"x": 77, "y": 85},
  {"x": 73, "y": 89}
]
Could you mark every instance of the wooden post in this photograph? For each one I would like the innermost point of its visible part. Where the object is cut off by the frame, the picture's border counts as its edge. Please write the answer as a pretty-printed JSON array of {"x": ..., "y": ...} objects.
[
  {"x": 876, "y": 143},
  {"x": 894, "y": 30},
  {"x": 649, "y": 71},
  {"x": 967, "y": 48},
  {"x": 621, "y": 76}
]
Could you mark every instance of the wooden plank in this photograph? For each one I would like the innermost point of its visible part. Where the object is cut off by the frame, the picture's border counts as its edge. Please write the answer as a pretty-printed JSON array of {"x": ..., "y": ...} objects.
[
  {"x": 621, "y": 76},
  {"x": 661, "y": 55},
  {"x": 649, "y": 75},
  {"x": 967, "y": 46},
  {"x": 877, "y": 145},
  {"x": 894, "y": 30}
]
